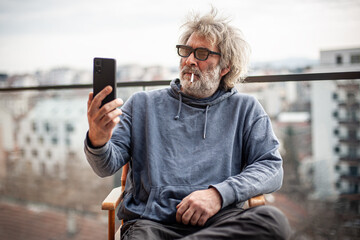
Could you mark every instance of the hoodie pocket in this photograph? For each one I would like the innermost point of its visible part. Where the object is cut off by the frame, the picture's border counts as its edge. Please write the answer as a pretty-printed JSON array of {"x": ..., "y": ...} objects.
[{"x": 162, "y": 202}]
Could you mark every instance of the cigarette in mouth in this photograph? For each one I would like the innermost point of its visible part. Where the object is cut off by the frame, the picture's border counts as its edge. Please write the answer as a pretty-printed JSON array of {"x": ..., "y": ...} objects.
[{"x": 192, "y": 78}]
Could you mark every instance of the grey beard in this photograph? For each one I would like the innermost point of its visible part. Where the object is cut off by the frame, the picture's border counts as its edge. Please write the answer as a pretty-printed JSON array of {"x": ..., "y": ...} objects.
[{"x": 204, "y": 87}]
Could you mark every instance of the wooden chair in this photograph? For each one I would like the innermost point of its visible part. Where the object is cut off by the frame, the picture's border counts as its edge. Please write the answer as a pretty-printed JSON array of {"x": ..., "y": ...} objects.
[{"x": 115, "y": 196}]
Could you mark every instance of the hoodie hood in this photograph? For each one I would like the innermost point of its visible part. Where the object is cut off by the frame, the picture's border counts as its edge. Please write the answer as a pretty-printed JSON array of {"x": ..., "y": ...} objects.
[{"x": 205, "y": 103}]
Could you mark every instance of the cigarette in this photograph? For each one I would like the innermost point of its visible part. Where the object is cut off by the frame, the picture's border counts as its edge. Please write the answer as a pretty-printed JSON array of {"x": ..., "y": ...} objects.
[{"x": 192, "y": 78}]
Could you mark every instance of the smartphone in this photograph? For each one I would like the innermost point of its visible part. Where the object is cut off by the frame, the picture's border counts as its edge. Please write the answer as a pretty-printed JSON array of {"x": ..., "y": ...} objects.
[{"x": 103, "y": 75}]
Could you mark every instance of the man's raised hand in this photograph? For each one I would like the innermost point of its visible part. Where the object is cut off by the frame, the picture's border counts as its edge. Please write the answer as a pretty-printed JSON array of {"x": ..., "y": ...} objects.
[{"x": 102, "y": 120}]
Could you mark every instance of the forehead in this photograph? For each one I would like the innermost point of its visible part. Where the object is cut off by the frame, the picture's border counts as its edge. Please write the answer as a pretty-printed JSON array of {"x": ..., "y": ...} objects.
[{"x": 197, "y": 40}]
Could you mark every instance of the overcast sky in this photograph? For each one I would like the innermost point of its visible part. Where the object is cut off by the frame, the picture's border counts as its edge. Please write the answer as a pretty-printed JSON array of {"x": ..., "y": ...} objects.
[{"x": 43, "y": 34}]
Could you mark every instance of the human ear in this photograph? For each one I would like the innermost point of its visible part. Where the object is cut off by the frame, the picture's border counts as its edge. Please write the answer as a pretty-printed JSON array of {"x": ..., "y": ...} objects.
[{"x": 224, "y": 71}]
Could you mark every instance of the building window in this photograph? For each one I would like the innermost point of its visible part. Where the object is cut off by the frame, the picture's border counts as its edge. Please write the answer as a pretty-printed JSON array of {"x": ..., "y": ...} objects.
[
  {"x": 353, "y": 171},
  {"x": 352, "y": 152},
  {"x": 34, "y": 126},
  {"x": 41, "y": 140},
  {"x": 351, "y": 97},
  {"x": 69, "y": 127},
  {"x": 47, "y": 127},
  {"x": 354, "y": 206},
  {"x": 352, "y": 134},
  {"x": 337, "y": 149},
  {"x": 351, "y": 115},
  {"x": 335, "y": 96},
  {"x": 48, "y": 154},
  {"x": 337, "y": 167},
  {"x": 356, "y": 188},
  {"x": 339, "y": 59},
  {"x": 34, "y": 153},
  {"x": 335, "y": 114},
  {"x": 336, "y": 131},
  {"x": 54, "y": 140},
  {"x": 355, "y": 59}
]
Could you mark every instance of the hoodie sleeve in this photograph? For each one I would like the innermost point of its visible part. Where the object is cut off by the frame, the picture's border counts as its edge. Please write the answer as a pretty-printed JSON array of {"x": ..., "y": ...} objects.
[
  {"x": 108, "y": 159},
  {"x": 263, "y": 172}
]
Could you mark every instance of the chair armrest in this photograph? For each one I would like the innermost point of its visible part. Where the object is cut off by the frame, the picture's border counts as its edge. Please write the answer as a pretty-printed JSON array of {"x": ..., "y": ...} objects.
[
  {"x": 256, "y": 201},
  {"x": 113, "y": 199}
]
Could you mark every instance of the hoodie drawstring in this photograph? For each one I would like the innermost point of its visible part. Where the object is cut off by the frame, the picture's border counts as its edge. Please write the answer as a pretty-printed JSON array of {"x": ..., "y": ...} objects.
[
  {"x": 206, "y": 113},
  {"x": 179, "y": 108}
]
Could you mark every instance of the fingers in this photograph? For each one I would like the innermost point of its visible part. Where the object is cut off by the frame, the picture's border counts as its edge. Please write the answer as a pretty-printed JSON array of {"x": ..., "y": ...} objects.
[
  {"x": 181, "y": 208},
  {"x": 194, "y": 220},
  {"x": 95, "y": 102},
  {"x": 110, "y": 119},
  {"x": 110, "y": 106},
  {"x": 198, "y": 207},
  {"x": 203, "y": 219},
  {"x": 191, "y": 215},
  {"x": 108, "y": 116},
  {"x": 102, "y": 120},
  {"x": 102, "y": 95},
  {"x": 106, "y": 111},
  {"x": 91, "y": 95},
  {"x": 191, "y": 212}
]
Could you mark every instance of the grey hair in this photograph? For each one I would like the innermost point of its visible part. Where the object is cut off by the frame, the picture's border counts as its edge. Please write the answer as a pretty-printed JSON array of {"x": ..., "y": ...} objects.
[{"x": 235, "y": 51}]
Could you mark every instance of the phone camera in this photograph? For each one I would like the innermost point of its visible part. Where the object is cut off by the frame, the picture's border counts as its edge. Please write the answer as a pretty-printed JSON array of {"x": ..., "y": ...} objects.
[{"x": 98, "y": 62}]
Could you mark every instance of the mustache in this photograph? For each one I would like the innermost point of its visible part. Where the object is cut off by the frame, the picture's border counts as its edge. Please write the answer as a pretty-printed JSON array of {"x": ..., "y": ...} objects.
[{"x": 187, "y": 69}]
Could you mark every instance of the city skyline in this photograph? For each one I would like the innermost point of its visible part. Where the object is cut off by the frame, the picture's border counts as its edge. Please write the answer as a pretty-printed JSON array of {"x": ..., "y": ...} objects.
[{"x": 40, "y": 34}]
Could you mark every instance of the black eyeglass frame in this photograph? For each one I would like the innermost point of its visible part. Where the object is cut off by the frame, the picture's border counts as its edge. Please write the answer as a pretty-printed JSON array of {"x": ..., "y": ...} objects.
[{"x": 194, "y": 51}]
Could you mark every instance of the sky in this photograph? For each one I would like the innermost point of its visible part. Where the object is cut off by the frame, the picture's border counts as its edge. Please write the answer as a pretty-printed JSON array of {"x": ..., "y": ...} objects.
[{"x": 44, "y": 34}]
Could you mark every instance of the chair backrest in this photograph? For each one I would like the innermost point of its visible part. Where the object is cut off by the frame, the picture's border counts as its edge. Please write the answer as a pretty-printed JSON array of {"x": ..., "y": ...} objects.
[{"x": 123, "y": 175}]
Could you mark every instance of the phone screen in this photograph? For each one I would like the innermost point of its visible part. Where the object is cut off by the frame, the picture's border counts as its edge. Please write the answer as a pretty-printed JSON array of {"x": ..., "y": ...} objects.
[{"x": 104, "y": 74}]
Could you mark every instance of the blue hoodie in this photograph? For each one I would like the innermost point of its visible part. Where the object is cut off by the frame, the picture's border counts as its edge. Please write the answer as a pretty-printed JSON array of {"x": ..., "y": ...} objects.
[{"x": 177, "y": 144}]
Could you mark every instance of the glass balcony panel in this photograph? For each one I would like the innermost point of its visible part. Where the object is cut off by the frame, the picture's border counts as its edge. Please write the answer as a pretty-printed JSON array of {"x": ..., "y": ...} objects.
[{"x": 42, "y": 161}]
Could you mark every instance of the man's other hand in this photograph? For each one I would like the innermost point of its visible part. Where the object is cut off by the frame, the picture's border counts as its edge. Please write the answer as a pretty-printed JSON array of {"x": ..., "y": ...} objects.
[
  {"x": 198, "y": 207},
  {"x": 102, "y": 120}
]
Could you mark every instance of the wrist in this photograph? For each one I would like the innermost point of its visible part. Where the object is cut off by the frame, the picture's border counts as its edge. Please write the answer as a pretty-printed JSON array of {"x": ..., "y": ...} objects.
[
  {"x": 91, "y": 143},
  {"x": 216, "y": 194}
]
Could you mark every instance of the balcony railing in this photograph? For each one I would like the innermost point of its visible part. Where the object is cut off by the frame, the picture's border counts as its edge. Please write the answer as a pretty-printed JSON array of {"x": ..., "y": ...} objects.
[
  {"x": 351, "y": 160},
  {"x": 351, "y": 86},
  {"x": 349, "y": 105},
  {"x": 251, "y": 79},
  {"x": 349, "y": 123},
  {"x": 350, "y": 141},
  {"x": 350, "y": 178}
]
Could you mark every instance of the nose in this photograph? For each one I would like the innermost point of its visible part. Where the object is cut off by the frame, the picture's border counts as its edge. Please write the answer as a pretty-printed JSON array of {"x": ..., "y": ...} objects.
[{"x": 191, "y": 60}]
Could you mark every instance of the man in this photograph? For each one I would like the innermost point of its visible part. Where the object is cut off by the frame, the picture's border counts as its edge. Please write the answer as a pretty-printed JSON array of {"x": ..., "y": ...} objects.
[{"x": 197, "y": 150}]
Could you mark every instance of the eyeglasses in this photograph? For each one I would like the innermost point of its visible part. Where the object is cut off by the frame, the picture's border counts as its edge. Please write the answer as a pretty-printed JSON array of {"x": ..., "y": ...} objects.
[{"x": 199, "y": 53}]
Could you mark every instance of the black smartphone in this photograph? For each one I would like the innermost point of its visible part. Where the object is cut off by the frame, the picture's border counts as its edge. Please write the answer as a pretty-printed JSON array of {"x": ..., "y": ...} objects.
[{"x": 104, "y": 74}]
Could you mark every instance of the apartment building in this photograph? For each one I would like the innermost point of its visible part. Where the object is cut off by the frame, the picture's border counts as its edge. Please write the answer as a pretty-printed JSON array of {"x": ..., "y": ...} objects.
[{"x": 336, "y": 128}]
